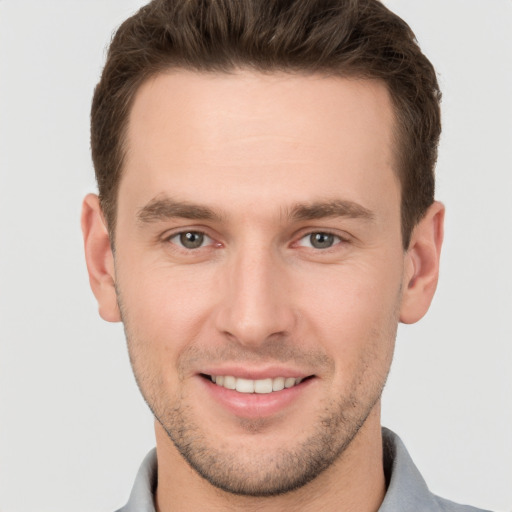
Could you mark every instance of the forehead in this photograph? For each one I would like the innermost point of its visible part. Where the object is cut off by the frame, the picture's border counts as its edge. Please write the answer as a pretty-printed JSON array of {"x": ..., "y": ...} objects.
[{"x": 247, "y": 131}]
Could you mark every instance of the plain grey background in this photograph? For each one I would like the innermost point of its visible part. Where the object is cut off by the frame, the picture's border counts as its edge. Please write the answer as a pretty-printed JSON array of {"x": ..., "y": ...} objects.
[{"x": 73, "y": 428}]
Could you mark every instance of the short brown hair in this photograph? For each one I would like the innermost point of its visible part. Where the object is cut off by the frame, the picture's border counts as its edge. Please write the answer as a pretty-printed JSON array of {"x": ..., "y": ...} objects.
[{"x": 359, "y": 38}]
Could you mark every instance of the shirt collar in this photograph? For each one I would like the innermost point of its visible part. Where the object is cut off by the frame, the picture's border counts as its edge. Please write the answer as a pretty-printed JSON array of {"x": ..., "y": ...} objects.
[
  {"x": 406, "y": 488},
  {"x": 141, "y": 497}
]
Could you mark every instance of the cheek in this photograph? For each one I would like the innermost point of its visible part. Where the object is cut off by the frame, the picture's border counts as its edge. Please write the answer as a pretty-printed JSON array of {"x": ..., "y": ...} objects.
[
  {"x": 354, "y": 312},
  {"x": 164, "y": 308},
  {"x": 351, "y": 291}
]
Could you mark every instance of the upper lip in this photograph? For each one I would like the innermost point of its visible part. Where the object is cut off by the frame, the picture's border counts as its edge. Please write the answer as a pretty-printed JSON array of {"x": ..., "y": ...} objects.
[{"x": 255, "y": 373}]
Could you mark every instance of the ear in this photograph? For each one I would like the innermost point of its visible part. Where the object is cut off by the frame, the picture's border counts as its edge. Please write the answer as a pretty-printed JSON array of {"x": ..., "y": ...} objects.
[
  {"x": 422, "y": 265},
  {"x": 99, "y": 258}
]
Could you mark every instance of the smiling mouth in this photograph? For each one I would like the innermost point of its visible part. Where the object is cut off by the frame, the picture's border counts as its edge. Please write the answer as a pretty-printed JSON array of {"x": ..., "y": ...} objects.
[{"x": 260, "y": 386}]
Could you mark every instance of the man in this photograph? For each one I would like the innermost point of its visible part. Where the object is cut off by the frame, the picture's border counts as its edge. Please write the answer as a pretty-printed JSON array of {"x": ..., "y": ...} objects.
[{"x": 265, "y": 218}]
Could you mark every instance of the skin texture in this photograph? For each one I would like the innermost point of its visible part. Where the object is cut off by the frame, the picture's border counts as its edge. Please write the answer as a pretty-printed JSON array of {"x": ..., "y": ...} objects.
[{"x": 255, "y": 164}]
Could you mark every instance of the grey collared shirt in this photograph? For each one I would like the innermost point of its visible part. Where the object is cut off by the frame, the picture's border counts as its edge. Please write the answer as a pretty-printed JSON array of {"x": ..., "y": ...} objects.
[{"x": 407, "y": 491}]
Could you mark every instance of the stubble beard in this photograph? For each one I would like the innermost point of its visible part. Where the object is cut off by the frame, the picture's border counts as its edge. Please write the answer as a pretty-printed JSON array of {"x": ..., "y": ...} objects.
[
  {"x": 260, "y": 473},
  {"x": 256, "y": 472}
]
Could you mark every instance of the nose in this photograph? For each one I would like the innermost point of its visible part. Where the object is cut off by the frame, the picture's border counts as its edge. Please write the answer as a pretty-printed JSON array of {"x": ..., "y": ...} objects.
[{"x": 255, "y": 304}]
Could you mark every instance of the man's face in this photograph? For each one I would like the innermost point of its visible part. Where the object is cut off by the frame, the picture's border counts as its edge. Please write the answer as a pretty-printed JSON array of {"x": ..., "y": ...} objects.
[{"x": 258, "y": 244}]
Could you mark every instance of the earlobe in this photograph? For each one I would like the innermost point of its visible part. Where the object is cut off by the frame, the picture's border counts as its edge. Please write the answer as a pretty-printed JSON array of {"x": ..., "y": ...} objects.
[
  {"x": 99, "y": 258},
  {"x": 422, "y": 265}
]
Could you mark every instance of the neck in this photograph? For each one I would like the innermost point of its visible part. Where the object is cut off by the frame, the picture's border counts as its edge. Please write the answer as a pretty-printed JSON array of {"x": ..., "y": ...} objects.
[{"x": 355, "y": 482}]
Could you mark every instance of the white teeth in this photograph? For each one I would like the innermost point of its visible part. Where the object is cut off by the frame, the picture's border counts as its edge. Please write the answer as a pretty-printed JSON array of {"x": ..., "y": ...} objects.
[
  {"x": 278, "y": 384},
  {"x": 229, "y": 382},
  {"x": 260, "y": 386},
  {"x": 244, "y": 385},
  {"x": 263, "y": 386},
  {"x": 289, "y": 382}
]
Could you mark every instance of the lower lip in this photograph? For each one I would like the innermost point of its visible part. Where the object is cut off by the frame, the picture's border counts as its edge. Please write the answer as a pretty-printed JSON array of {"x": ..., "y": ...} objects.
[{"x": 256, "y": 405}]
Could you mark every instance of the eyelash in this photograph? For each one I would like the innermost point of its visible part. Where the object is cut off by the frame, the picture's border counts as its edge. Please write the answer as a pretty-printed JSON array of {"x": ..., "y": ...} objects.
[
  {"x": 180, "y": 244},
  {"x": 336, "y": 240}
]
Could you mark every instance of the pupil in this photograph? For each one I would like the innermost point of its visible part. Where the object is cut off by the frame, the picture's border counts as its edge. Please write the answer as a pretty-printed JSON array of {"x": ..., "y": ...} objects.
[
  {"x": 321, "y": 240},
  {"x": 191, "y": 240}
]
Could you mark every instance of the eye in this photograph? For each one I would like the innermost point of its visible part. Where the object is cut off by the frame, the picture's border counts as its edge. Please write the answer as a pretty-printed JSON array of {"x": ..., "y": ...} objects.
[
  {"x": 191, "y": 239},
  {"x": 319, "y": 240}
]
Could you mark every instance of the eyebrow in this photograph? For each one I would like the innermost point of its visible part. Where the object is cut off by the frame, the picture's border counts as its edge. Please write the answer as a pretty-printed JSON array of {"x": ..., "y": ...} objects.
[
  {"x": 333, "y": 208},
  {"x": 167, "y": 208}
]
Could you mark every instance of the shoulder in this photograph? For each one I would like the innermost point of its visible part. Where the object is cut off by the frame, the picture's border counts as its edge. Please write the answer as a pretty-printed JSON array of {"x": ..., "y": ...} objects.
[
  {"x": 407, "y": 489},
  {"x": 449, "y": 506}
]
